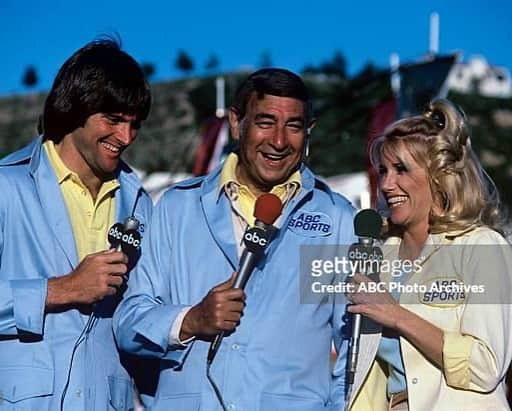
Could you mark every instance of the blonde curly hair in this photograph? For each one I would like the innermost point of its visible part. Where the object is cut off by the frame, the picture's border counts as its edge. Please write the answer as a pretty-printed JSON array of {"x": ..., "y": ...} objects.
[{"x": 439, "y": 141}]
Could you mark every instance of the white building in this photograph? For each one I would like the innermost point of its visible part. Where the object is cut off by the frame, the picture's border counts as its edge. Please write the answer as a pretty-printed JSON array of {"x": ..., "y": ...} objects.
[{"x": 478, "y": 76}]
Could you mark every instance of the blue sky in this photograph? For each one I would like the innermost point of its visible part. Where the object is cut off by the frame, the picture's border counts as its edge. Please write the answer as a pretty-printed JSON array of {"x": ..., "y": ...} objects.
[{"x": 295, "y": 32}]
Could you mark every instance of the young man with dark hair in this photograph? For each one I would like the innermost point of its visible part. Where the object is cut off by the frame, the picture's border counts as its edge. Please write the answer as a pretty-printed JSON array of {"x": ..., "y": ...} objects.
[
  {"x": 59, "y": 283},
  {"x": 275, "y": 356}
]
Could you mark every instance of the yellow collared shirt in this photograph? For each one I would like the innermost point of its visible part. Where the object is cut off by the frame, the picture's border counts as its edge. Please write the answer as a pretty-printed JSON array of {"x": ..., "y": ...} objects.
[
  {"x": 90, "y": 219},
  {"x": 242, "y": 199}
]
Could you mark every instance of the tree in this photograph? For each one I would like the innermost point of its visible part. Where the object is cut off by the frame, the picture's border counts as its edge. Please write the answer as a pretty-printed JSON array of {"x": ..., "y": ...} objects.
[
  {"x": 148, "y": 69},
  {"x": 30, "y": 77},
  {"x": 184, "y": 62},
  {"x": 212, "y": 63},
  {"x": 335, "y": 66},
  {"x": 265, "y": 59}
]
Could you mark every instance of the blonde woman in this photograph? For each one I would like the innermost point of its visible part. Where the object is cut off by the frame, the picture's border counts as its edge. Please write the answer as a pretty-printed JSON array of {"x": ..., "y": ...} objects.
[{"x": 436, "y": 351}]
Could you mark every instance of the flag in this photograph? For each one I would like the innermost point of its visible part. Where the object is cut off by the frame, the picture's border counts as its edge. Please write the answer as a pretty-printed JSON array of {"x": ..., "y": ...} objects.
[
  {"x": 220, "y": 144},
  {"x": 209, "y": 137}
]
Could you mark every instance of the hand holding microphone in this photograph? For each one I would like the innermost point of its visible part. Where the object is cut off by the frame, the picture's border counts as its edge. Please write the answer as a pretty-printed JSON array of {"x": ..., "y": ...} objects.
[
  {"x": 266, "y": 210},
  {"x": 99, "y": 274},
  {"x": 221, "y": 309}
]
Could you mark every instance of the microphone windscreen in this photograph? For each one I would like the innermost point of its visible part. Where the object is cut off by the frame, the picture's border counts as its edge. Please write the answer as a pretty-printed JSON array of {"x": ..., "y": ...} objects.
[
  {"x": 115, "y": 234},
  {"x": 130, "y": 242},
  {"x": 367, "y": 223},
  {"x": 267, "y": 208}
]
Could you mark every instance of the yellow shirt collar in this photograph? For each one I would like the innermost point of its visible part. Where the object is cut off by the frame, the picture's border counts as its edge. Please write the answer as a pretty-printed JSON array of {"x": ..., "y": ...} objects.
[
  {"x": 60, "y": 168},
  {"x": 242, "y": 199},
  {"x": 228, "y": 175},
  {"x": 63, "y": 172}
]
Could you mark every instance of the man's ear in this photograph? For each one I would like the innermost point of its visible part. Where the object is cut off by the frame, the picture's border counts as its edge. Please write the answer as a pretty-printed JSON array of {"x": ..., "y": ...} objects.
[{"x": 234, "y": 123}]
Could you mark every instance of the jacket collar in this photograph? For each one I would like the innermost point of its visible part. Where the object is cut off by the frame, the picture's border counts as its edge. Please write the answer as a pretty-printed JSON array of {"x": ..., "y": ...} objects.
[
  {"x": 217, "y": 210},
  {"x": 48, "y": 190},
  {"x": 55, "y": 211},
  {"x": 433, "y": 243}
]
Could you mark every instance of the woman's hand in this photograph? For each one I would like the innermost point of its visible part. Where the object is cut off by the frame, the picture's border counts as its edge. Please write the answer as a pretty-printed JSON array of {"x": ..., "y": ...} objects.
[
  {"x": 382, "y": 308},
  {"x": 379, "y": 305}
]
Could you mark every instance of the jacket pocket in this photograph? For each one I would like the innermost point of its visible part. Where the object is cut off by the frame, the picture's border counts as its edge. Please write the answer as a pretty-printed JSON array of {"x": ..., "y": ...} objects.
[
  {"x": 120, "y": 393},
  {"x": 22, "y": 383},
  {"x": 184, "y": 402},
  {"x": 285, "y": 402}
]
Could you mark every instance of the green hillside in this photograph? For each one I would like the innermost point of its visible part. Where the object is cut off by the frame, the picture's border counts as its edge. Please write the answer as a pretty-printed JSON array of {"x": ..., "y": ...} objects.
[{"x": 169, "y": 138}]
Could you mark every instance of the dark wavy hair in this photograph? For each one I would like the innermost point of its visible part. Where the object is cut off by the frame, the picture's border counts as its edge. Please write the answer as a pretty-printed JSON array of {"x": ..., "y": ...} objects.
[
  {"x": 275, "y": 82},
  {"x": 98, "y": 78}
]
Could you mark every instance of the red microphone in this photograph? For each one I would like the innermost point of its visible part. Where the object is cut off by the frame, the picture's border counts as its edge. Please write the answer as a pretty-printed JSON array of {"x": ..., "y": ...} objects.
[{"x": 267, "y": 209}]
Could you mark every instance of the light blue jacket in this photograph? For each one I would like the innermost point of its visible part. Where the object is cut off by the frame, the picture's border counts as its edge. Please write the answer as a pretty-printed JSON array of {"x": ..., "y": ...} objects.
[
  {"x": 36, "y": 243},
  {"x": 278, "y": 357}
]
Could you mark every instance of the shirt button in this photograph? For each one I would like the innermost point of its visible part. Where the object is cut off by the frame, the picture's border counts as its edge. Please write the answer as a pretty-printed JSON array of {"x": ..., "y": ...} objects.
[
  {"x": 415, "y": 380},
  {"x": 235, "y": 347},
  {"x": 78, "y": 393},
  {"x": 231, "y": 407}
]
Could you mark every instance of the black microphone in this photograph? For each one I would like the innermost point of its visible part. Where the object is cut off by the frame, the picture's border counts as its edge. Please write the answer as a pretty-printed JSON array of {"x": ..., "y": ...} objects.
[
  {"x": 364, "y": 257},
  {"x": 266, "y": 210},
  {"x": 125, "y": 237}
]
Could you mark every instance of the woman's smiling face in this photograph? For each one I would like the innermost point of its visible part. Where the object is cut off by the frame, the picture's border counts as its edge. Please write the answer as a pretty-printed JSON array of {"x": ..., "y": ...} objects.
[{"x": 406, "y": 188}]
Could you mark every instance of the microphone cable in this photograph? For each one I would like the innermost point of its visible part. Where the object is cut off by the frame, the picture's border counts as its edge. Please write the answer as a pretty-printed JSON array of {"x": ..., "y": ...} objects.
[
  {"x": 255, "y": 239},
  {"x": 214, "y": 386},
  {"x": 130, "y": 223},
  {"x": 83, "y": 336}
]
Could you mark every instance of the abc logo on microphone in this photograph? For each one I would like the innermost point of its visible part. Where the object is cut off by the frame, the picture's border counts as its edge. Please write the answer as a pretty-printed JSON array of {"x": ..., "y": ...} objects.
[
  {"x": 128, "y": 240},
  {"x": 255, "y": 239},
  {"x": 359, "y": 252}
]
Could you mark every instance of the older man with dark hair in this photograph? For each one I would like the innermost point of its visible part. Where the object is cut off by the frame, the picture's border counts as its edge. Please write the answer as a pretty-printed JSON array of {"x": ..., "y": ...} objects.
[{"x": 275, "y": 356}]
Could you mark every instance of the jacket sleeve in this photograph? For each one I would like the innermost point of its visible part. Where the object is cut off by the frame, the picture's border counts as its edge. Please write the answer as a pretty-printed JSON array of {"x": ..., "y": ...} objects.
[
  {"x": 22, "y": 301},
  {"x": 144, "y": 317},
  {"x": 477, "y": 357}
]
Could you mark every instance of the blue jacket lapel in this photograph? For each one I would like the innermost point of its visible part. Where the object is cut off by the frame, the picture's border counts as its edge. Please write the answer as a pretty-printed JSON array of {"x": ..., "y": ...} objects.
[
  {"x": 52, "y": 203},
  {"x": 217, "y": 212},
  {"x": 127, "y": 195}
]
